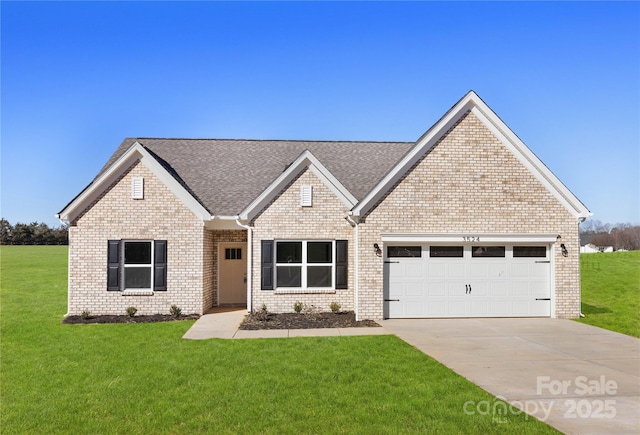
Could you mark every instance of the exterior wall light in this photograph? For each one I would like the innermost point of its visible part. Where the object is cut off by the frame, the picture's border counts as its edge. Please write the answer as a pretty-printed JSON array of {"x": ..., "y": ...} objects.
[
  {"x": 565, "y": 252},
  {"x": 377, "y": 250}
]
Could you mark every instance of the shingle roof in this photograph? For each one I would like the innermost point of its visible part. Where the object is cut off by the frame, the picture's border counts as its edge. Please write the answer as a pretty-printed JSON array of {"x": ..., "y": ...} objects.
[{"x": 225, "y": 175}]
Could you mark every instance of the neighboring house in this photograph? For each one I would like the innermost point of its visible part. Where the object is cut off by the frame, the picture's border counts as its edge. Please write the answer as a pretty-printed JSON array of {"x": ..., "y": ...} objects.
[
  {"x": 590, "y": 248},
  {"x": 464, "y": 222}
]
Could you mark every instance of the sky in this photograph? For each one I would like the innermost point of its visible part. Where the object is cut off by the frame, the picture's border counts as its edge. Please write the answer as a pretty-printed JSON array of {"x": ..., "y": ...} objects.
[{"x": 78, "y": 77}]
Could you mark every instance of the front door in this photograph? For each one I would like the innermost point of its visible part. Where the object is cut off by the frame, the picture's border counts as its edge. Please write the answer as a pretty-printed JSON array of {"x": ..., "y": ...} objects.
[{"x": 233, "y": 274}]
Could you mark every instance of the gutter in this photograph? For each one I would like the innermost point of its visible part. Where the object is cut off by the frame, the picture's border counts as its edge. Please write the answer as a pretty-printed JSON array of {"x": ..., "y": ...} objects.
[
  {"x": 356, "y": 305},
  {"x": 249, "y": 260}
]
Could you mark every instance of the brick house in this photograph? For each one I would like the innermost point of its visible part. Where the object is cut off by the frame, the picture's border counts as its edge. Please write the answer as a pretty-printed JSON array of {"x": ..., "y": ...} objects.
[{"x": 464, "y": 222}]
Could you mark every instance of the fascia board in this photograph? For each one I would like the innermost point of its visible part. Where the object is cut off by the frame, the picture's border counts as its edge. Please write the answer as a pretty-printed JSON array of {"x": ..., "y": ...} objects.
[
  {"x": 423, "y": 144},
  {"x": 468, "y": 238},
  {"x": 305, "y": 160},
  {"x": 135, "y": 152},
  {"x": 530, "y": 160}
]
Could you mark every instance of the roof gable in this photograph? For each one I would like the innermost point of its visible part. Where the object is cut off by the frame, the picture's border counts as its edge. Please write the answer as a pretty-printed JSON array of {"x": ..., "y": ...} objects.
[
  {"x": 304, "y": 161},
  {"x": 471, "y": 102},
  {"x": 110, "y": 174}
]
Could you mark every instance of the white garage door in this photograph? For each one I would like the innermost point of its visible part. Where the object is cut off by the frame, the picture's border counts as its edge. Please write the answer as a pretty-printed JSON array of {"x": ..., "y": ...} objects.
[{"x": 467, "y": 281}]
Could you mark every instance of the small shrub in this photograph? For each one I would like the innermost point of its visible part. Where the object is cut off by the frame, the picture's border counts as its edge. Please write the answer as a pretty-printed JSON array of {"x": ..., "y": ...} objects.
[
  {"x": 175, "y": 311},
  {"x": 311, "y": 311},
  {"x": 262, "y": 314},
  {"x": 85, "y": 315},
  {"x": 297, "y": 307},
  {"x": 131, "y": 311},
  {"x": 335, "y": 307}
]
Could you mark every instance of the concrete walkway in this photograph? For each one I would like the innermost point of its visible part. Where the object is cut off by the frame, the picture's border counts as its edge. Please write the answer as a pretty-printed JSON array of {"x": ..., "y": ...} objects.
[
  {"x": 224, "y": 324},
  {"x": 575, "y": 377}
]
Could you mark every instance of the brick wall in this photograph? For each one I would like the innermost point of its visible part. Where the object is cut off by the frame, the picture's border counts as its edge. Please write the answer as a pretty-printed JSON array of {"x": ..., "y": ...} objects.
[
  {"x": 159, "y": 216},
  {"x": 285, "y": 219},
  {"x": 469, "y": 183}
]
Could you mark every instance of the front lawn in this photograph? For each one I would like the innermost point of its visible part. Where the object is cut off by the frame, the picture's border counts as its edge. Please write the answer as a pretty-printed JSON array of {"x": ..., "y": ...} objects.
[
  {"x": 143, "y": 378},
  {"x": 611, "y": 291}
]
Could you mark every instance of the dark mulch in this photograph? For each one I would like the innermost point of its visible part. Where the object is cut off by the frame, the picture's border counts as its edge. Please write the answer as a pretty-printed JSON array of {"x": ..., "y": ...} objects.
[
  {"x": 127, "y": 319},
  {"x": 345, "y": 319}
]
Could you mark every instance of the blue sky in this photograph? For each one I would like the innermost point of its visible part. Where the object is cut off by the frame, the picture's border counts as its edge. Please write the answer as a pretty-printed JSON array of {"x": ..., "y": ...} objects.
[{"x": 77, "y": 78}]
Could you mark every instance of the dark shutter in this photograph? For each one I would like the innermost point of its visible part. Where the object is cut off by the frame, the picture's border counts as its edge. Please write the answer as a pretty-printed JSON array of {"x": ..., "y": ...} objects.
[
  {"x": 113, "y": 265},
  {"x": 160, "y": 265},
  {"x": 267, "y": 266},
  {"x": 342, "y": 256}
]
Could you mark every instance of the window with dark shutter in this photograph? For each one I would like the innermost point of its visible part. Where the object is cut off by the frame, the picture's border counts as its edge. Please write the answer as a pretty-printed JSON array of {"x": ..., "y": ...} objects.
[
  {"x": 267, "y": 265},
  {"x": 341, "y": 264},
  {"x": 113, "y": 265},
  {"x": 160, "y": 265}
]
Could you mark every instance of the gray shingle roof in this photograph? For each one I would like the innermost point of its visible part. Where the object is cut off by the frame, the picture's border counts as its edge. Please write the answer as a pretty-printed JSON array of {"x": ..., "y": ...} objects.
[{"x": 225, "y": 175}]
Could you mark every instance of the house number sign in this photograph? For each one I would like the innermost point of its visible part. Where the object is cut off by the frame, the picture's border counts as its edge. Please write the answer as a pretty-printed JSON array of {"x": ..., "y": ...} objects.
[{"x": 470, "y": 238}]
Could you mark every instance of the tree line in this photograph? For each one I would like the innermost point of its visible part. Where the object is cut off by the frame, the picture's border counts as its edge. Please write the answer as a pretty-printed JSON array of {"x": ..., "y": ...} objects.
[
  {"x": 620, "y": 236},
  {"x": 32, "y": 234}
]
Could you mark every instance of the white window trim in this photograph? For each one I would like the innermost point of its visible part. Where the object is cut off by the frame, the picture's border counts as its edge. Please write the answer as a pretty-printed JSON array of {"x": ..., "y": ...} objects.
[
  {"x": 304, "y": 264},
  {"x": 124, "y": 267}
]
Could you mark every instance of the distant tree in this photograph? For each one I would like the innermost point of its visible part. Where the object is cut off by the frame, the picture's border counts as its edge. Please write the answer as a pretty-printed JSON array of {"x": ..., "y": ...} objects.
[
  {"x": 5, "y": 232},
  {"x": 620, "y": 236},
  {"x": 32, "y": 234}
]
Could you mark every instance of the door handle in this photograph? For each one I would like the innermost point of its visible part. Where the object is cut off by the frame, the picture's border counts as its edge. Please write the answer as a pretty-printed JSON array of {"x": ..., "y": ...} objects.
[{"x": 392, "y": 300}]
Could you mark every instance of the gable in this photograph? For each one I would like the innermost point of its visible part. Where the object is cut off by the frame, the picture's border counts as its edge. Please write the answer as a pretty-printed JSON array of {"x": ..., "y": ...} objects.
[
  {"x": 471, "y": 103},
  {"x": 469, "y": 183},
  {"x": 306, "y": 161},
  {"x": 136, "y": 153}
]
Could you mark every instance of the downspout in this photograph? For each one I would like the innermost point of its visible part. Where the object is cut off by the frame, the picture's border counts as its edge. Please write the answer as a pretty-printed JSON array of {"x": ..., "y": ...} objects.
[
  {"x": 68, "y": 262},
  {"x": 249, "y": 260},
  {"x": 356, "y": 305}
]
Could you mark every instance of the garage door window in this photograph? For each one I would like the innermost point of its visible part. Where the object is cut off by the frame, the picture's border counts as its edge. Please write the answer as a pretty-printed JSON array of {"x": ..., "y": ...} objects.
[
  {"x": 446, "y": 251},
  {"x": 404, "y": 251},
  {"x": 530, "y": 251},
  {"x": 487, "y": 251}
]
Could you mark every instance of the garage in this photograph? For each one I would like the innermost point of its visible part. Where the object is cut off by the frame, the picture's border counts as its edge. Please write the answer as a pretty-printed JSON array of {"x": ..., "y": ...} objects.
[{"x": 470, "y": 276}]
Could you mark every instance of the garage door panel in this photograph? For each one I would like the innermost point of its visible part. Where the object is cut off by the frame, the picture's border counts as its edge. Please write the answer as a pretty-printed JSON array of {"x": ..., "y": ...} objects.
[
  {"x": 437, "y": 289},
  {"x": 456, "y": 269},
  {"x": 413, "y": 289},
  {"x": 437, "y": 270}
]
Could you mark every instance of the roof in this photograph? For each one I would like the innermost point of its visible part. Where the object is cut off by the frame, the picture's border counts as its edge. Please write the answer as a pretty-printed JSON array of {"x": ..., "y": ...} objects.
[
  {"x": 225, "y": 178},
  {"x": 226, "y": 175}
]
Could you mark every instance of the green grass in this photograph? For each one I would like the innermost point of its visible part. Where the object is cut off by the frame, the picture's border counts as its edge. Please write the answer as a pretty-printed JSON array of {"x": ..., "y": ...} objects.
[
  {"x": 143, "y": 378},
  {"x": 611, "y": 291}
]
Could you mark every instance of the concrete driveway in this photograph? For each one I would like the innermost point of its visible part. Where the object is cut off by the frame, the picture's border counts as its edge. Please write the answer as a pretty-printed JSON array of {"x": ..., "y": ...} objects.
[{"x": 577, "y": 378}]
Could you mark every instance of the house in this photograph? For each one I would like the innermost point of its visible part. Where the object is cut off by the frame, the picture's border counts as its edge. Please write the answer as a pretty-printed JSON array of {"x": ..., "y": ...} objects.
[
  {"x": 591, "y": 248},
  {"x": 464, "y": 222}
]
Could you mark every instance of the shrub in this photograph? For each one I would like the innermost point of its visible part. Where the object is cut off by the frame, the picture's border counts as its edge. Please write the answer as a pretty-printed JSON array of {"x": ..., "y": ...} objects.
[
  {"x": 175, "y": 311},
  {"x": 335, "y": 307},
  {"x": 131, "y": 311},
  {"x": 297, "y": 307},
  {"x": 262, "y": 314},
  {"x": 311, "y": 311},
  {"x": 86, "y": 314}
]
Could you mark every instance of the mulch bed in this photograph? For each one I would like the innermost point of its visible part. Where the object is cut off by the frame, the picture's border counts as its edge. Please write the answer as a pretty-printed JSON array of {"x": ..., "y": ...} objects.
[
  {"x": 345, "y": 319},
  {"x": 127, "y": 319}
]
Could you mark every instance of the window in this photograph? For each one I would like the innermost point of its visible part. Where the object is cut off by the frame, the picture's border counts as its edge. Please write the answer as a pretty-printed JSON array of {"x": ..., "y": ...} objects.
[
  {"x": 233, "y": 254},
  {"x": 530, "y": 251},
  {"x": 446, "y": 251},
  {"x": 487, "y": 251},
  {"x": 137, "y": 265},
  {"x": 304, "y": 264},
  {"x": 404, "y": 251}
]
